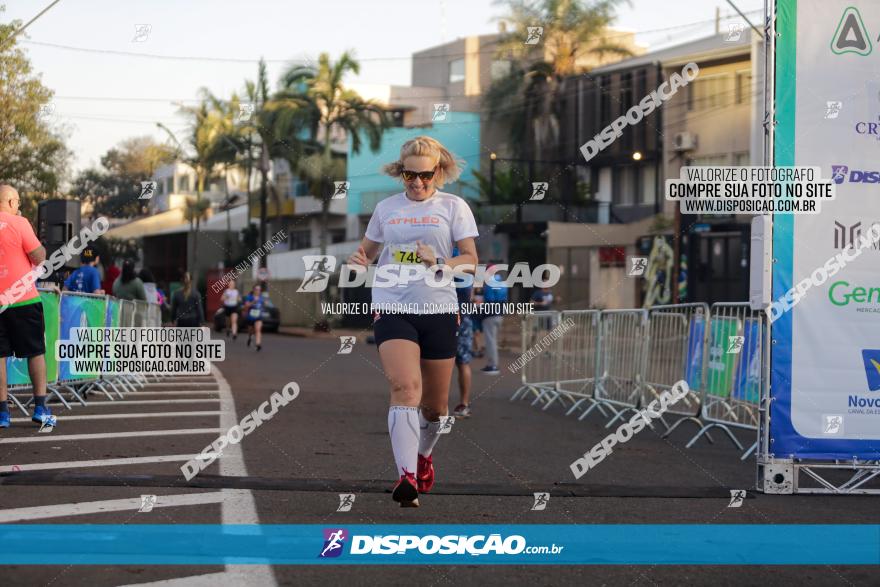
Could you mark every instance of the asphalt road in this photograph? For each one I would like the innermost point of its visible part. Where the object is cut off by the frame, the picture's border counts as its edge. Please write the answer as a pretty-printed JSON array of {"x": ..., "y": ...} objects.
[{"x": 335, "y": 435}]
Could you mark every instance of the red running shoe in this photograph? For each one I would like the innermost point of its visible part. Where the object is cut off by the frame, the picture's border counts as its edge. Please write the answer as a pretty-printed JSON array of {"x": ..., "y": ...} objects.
[
  {"x": 405, "y": 492},
  {"x": 425, "y": 474}
]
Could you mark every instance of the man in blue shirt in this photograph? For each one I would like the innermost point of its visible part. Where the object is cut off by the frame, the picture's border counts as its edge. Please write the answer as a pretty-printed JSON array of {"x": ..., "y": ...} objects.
[
  {"x": 86, "y": 279},
  {"x": 494, "y": 294}
]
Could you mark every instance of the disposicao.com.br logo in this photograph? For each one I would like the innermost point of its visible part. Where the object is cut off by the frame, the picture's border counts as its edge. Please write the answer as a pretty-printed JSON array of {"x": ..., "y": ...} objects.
[{"x": 451, "y": 544}]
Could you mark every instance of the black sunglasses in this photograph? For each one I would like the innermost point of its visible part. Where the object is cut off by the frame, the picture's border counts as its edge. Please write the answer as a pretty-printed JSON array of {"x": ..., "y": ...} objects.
[{"x": 425, "y": 176}]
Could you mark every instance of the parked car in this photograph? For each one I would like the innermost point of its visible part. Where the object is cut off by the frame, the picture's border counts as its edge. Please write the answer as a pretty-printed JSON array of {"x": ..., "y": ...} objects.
[{"x": 271, "y": 318}]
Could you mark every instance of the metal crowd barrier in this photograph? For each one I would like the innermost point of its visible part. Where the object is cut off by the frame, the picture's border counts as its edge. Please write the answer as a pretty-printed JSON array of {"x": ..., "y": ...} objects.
[
  {"x": 72, "y": 310},
  {"x": 617, "y": 361},
  {"x": 538, "y": 373},
  {"x": 578, "y": 352},
  {"x": 734, "y": 371},
  {"x": 676, "y": 351},
  {"x": 623, "y": 337}
]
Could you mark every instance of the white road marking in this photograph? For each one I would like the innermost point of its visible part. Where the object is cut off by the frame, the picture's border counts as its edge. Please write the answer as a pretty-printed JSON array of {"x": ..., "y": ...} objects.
[
  {"x": 77, "y": 437},
  {"x": 240, "y": 507},
  {"x": 110, "y": 505},
  {"x": 151, "y": 402},
  {"x": 98, "y": 463},
  {"x": 67, "y": 418},
  {"x": 139, "y": 393}
]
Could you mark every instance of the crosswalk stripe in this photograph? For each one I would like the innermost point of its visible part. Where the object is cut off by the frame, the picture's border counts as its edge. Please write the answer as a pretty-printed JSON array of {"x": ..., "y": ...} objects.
[
  {"x": 66, "y": 418},
  {"x": 99, "y": 463},
  {"x": 110, "y": 505},
  {"x": 51, "y": 437}
]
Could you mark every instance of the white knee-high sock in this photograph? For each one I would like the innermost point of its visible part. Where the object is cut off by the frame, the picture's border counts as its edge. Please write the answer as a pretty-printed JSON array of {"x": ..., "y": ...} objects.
[
  {"x": 403, "y": 427},
  {"x": 428, "y": 435}
]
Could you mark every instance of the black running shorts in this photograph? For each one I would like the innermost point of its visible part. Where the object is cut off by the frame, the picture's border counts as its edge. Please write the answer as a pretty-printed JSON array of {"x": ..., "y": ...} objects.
[
  {"x": 22, "y": 331},
  {"x": 436, "y": 334}
]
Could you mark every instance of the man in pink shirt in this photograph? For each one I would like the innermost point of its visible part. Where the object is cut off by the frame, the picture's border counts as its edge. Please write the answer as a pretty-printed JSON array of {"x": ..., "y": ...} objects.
[{"x": 22, "y": 331}]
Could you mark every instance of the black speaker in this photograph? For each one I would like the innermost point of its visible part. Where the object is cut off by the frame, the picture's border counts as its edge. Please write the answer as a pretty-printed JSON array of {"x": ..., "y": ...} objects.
[{"x": 57, "y": 222}]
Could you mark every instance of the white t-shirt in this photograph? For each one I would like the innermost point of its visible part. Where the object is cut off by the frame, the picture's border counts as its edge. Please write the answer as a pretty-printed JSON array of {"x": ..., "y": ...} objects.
[
  {"x": 231, "y": 297},
  {"x": 398, "y": 222}
]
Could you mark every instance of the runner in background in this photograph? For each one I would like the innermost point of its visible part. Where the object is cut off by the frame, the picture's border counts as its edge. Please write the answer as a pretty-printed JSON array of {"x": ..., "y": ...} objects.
[
  {"x": 494, "y": 294},
  {"x": 463, "y": 352},
  {"x": 253, "y": 312},
  {"x": 86, "y": 279},
  {"x": 231, "y": 308},
  {"x": 22, "y": 329},
  {"x": 477, "y": 321},
  {"x": 418, "y": 228}
]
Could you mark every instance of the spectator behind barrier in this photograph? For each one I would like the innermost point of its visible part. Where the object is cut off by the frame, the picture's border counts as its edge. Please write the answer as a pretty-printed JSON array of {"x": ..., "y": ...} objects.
[
  {"x": 129, "y": 286},
  {"x": 86, "y": 279}
]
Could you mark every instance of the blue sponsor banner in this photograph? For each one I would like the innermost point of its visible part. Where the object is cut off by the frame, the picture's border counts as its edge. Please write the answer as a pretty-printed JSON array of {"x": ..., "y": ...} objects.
[
  {"x": 747, "y": 385},
  {"x": 601, "y": 544},
  {"x": 696, "y": 337}
]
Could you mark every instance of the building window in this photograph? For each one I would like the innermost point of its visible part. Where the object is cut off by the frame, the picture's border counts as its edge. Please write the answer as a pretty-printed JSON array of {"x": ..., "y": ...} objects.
[
  {"x": 337, "y": 235},
  {"x": 604, "y": 101},
  {"x": 625, "y": 185},
  {"x": 626, "y": 101},
  {"x": 649, "y": 187},
  {"x": 744, "y": 86},
  {"x": 300, "y": 239},
  {"x": 184, "y": 183},
  {"x": 708, "y": 92},
  {"x": 500, "y": 68},
  {"x": 456, "y": 71}
]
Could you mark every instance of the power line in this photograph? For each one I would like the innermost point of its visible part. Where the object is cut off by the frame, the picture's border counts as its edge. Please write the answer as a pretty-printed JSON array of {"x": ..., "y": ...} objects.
[{"x": 307, "y": 60}]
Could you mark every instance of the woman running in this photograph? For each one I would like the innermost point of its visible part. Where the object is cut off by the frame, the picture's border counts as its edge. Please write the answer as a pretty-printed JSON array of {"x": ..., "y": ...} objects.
[
  {"x": 253, "y": 311},
  {"x": 231, "y": 307},
  {"x": 418, "y": 228}
]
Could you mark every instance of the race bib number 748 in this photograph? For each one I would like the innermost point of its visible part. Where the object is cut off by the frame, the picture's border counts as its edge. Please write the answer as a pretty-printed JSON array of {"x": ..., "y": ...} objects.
[{"x": 405, "y": 254}]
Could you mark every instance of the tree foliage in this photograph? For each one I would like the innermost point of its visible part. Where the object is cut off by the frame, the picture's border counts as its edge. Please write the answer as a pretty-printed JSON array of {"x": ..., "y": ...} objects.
[
  {"x": 33, "y": 156},
  {"x": 114, "y": 188}
]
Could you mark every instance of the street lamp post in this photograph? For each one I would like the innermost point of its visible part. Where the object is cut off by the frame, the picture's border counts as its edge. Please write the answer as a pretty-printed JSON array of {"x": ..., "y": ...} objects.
[{"x": 492, "y": 158}]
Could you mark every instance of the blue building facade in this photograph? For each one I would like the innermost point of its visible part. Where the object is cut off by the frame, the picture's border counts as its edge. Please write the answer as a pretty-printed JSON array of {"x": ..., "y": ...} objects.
[{"x": 460, "y": 133}]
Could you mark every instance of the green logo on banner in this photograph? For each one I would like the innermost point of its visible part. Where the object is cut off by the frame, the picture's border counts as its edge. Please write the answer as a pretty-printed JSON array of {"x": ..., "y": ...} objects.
[{"x": 851, "y": 35}]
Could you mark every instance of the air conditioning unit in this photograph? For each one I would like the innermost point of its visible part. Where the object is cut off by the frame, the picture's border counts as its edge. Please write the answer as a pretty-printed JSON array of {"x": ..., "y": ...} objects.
[{"x": 684, "y": 141}]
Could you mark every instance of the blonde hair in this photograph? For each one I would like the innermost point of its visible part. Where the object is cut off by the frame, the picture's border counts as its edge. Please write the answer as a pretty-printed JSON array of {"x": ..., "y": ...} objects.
[{"x": 448, "y": 167}]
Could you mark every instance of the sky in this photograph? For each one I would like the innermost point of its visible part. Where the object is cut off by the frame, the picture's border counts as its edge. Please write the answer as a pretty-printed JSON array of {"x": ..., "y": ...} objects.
[{"x": 113, "y": 80}]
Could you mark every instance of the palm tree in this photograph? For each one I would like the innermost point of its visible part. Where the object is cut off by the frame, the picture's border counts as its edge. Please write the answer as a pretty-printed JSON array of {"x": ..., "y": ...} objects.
[
  {"x": 526, "y": 100},
  {"x": 331, "y": 110},
  {"x": 272, "y": 131},
  {"x": 207, "y": 125}
]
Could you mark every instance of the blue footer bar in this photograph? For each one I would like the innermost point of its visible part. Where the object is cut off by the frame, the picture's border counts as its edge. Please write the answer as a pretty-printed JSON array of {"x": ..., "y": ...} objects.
[{"x": 639, "y": 544}]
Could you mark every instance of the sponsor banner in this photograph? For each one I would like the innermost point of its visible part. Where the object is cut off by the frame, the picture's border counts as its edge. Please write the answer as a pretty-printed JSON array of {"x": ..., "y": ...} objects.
[
  {"x": 600, "y": 544},
  {"x": 721, "y": 366},
  {"x": 17, "y": 369},
  {"x": 747, "y": 386},
  {"x": 827, "y": 105},
  {"x": 696, "y": 335},
  {"x": 79, "y": 311}
]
